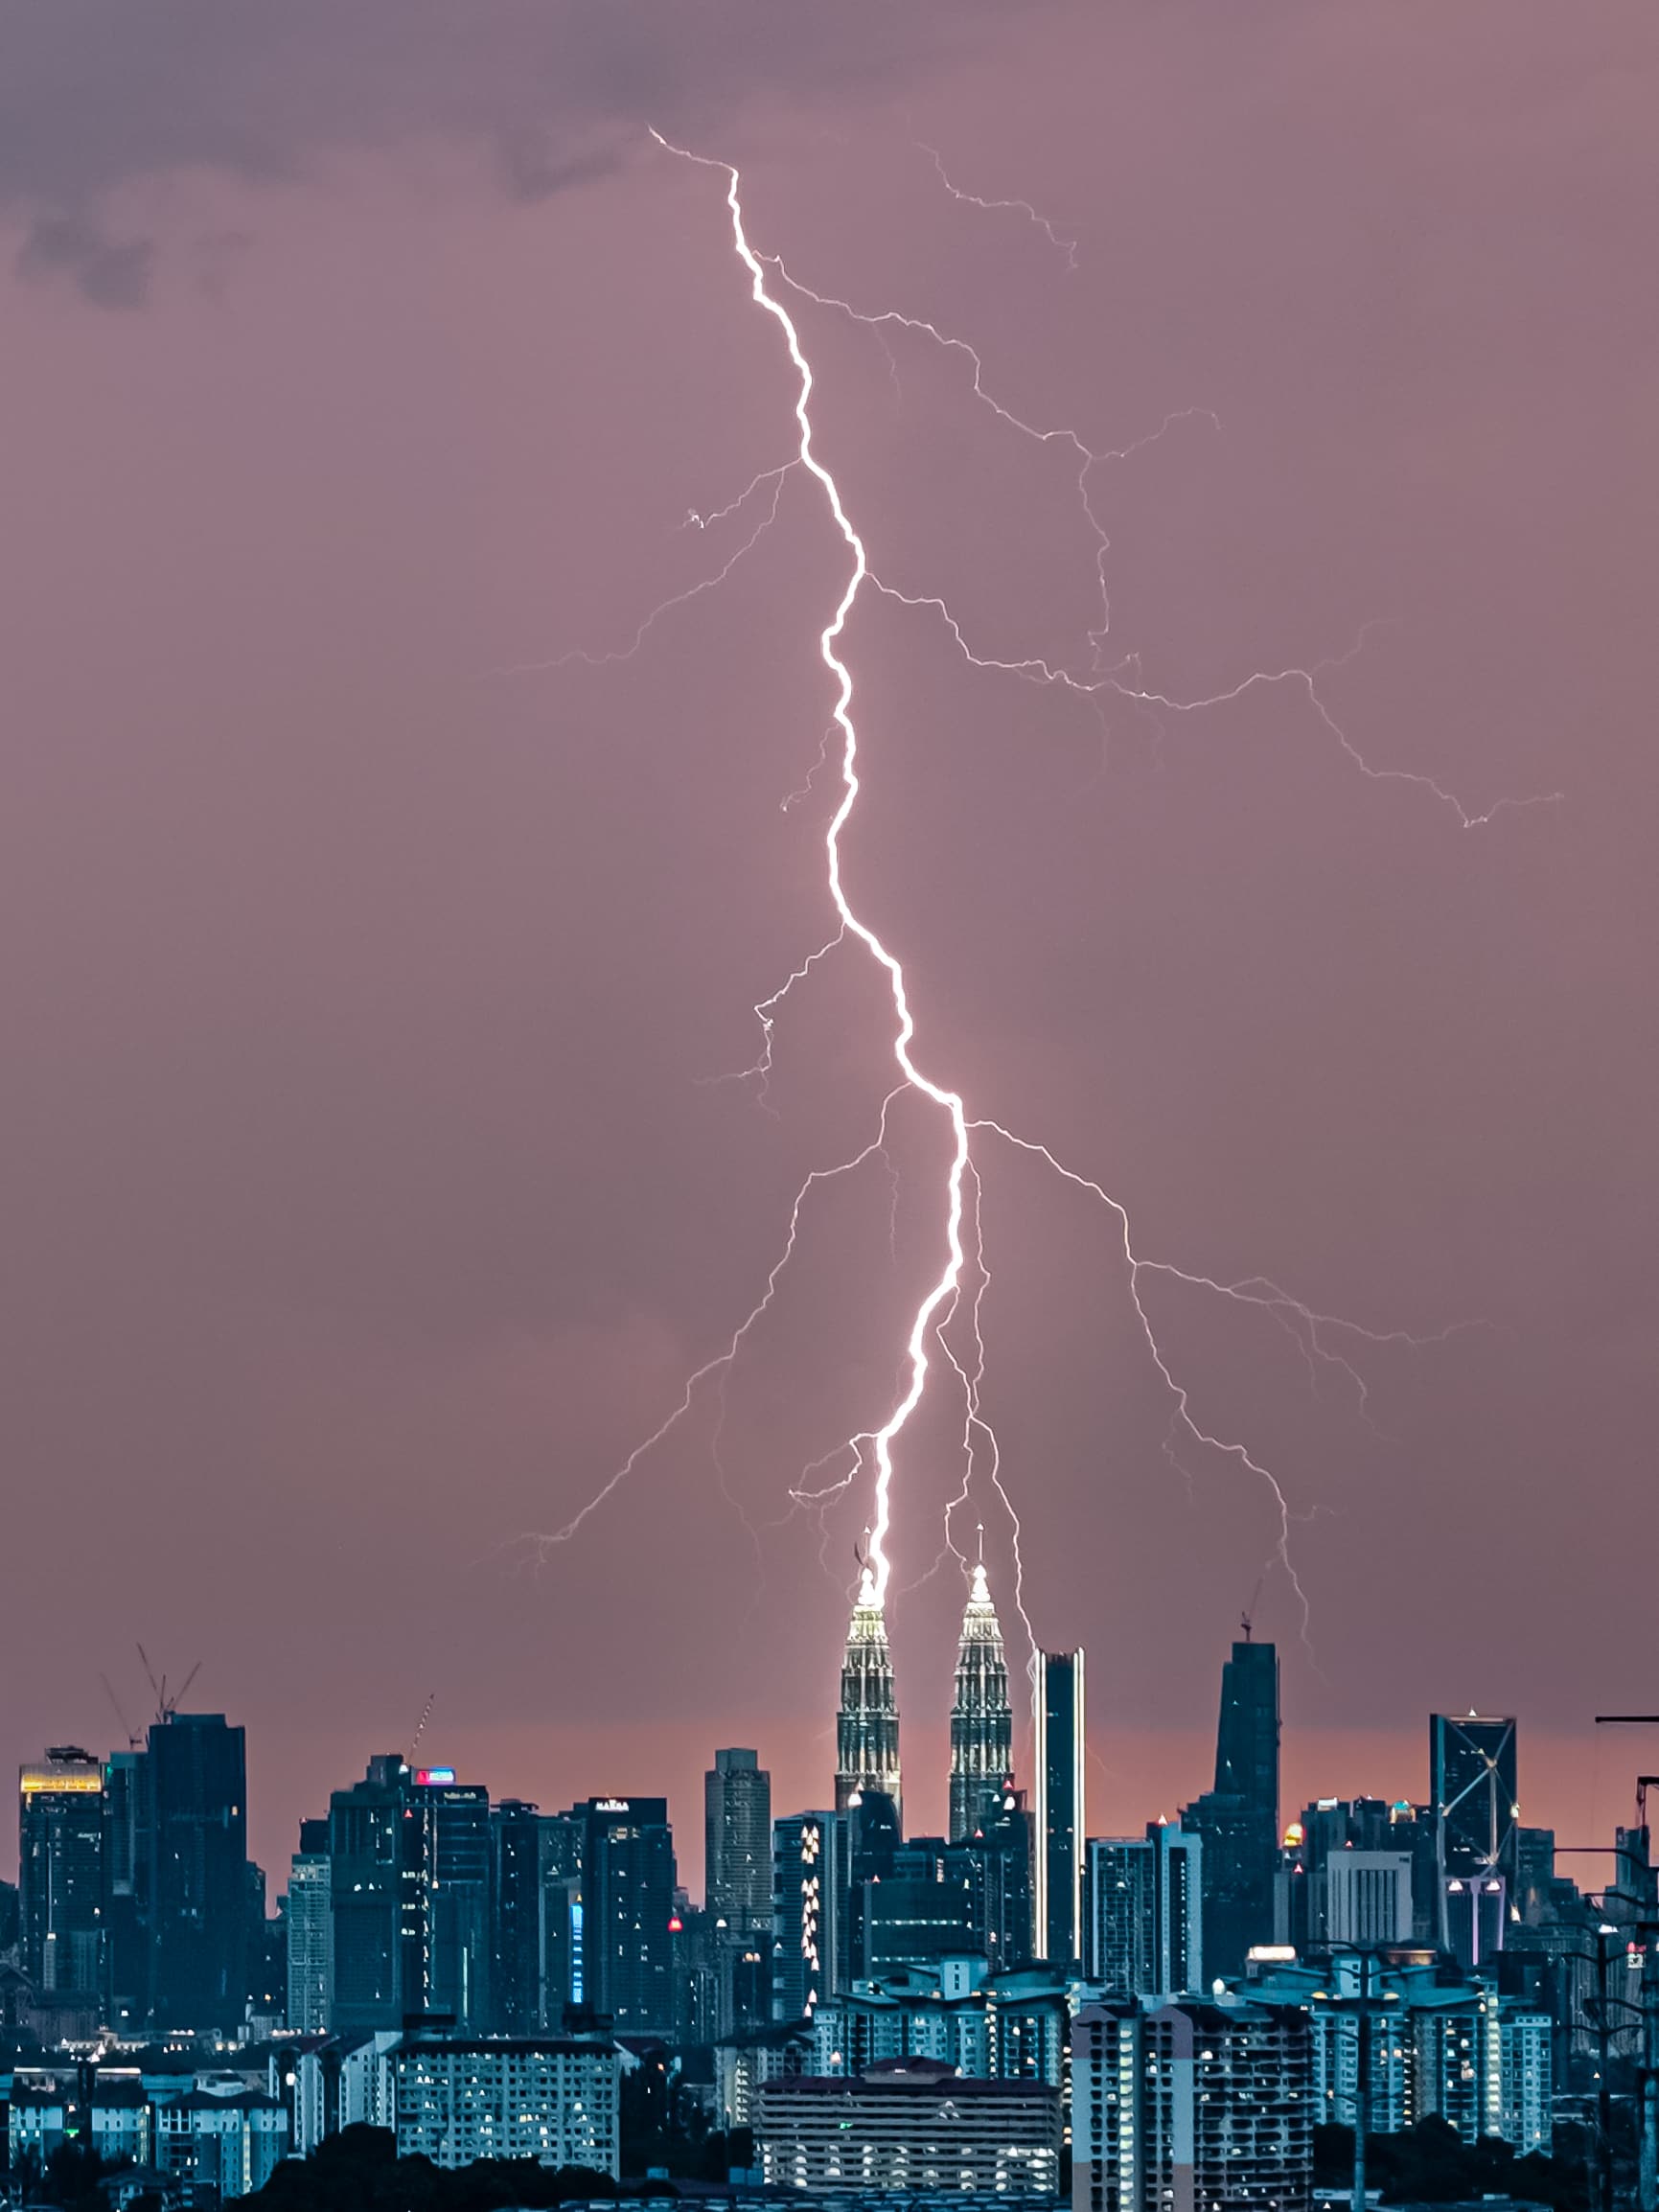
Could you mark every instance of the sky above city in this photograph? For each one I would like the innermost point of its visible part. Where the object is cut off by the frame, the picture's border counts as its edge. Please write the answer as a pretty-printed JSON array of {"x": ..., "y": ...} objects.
[{"x": 370, "y": 964}]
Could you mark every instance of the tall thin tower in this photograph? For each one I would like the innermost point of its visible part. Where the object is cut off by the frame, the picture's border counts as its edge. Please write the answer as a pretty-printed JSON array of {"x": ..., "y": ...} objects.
[
  {"x": 867, "y": 1725},
  {"x": 981, "y": 1719},
  {"x": 1057, "y": 1844}
]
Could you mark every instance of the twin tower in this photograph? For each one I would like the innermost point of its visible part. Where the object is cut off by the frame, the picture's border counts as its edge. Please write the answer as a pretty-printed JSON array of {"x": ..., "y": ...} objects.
[{"x": 981, "y": 1719}]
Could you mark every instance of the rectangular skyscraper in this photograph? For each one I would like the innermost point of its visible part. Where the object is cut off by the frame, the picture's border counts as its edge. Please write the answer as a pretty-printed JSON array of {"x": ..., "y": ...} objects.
[
  {"x": 737, "y": 1839},
  {"x": 1144, "y": 1932},
  {"x": 811, "y": 1932},
  {"x": 1057, "y": 1843},
  {"x": 628, "y": 1895},
  {"x": 737, "y": 1860},
  {"x": 1238, "y": 1819},
  {"x": 379, "y": 1901},
  {"x": 1475, "y": 1799},
  {"x": 199, "y": 1877},
  {"x": 60, "y": 1874},
  {"x": 310, "y": 1932}
]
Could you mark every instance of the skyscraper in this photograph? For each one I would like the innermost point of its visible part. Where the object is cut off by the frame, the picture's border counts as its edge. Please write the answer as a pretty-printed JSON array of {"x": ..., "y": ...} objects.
[
  {"x": 60, "y": 1874},
  {"x": 737, "y": 1857},
  {"x": 1238, "y": 1819},
  {"x": 867, "y": 1724},
  {"x": 515, "y": 1888},
  {"x": 811, "y": 1859},
  {"x": 737, "y": 1841},
  {"x": 1145, "y": 1913},
  {"x": 628, "y": 1895},
  {"x": 981, "y": 1719},
  {"x": 198, "y": 1879},
  {"x": 310, "y": 1932},
  {"x": 456, "y": 1817},
  {"x": 1473, "y": 1790},
  {"x": 127, "y": 1946},
  {"x": 379, "y": 1901},
  {"x": 1057, "y": 1845}
]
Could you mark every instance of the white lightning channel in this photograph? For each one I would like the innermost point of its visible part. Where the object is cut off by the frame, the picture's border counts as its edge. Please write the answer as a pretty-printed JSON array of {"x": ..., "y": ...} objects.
[
  {"x": 1099, "y": 681},
  {"x": 1061, "y": 243},
  {"x": 938, "y": 1309},
  {"x": 948, "y": 1101}
]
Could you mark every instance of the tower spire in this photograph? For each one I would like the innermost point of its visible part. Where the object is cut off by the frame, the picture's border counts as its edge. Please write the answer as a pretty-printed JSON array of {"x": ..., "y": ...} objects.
[
  {"x": 867, "y": 1724},
  {"x": 981, "y": 1719}
]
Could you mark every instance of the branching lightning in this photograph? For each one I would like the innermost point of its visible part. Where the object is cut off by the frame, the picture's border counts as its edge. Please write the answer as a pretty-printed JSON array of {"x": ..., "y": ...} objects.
[
  {"x": 955, "y": 1294},
  {"x": 1067, "y": 246}
]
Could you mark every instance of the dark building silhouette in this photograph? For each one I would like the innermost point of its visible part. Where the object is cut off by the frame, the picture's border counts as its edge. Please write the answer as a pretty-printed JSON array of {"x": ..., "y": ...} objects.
[
  {"x": 628, "y": 1903},
  {"x": 811, "y": 1910},
  {"x": 377, "y": 1895},
  {"x": 1472, "y": 1789},
  {"x": 1238, "y": 1819},
  {"x": 737, "y": 1856},
  {"x": 60, "y": 1874},
  {"x": 1057, "y": 1845},
  {"x": 127, "y": 1931},
  {"x": 1000, "y": 1859},
  {"x": 516, "y": 1920},
  {"x": 198, "y": 1871},
  {"x": 456, "y": 1818}
]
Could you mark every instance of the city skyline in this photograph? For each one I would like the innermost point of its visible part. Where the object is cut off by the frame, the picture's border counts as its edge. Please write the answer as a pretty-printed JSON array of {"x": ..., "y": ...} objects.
[{"x": 373, "y": 1191}]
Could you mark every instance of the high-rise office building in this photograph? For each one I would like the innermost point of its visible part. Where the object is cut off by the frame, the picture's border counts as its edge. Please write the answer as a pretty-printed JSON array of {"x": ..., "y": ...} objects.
[
  {"x": 516, "y": 1966},
  {"x": 628, "y": 1882},
  {"x": 60, "y": 1874},
  {"x": 198, "y": 1881},
  {"x": 127, "y": 1946},
  {"x": 456, "y": 1818},
  {"x": 1000, "y": 1855},
  {"x": 379, "y": 1901},
  {"x": 737, "y": 1841},
  {"x": 811, "y": 1860},
  {"x": 1057, "y": 1843},
  {"x": 867, "y": 1723},
  {"x": 564, "y": 1979},
  {"x": 981, "y": 1717},
  {"x": 1238, "y": 1819},
  {"x": 310, "y": 1932},
  {"x": 1145, "y": 1917},
  {"x": 737, "y": 1858},
  {"x": 1473, "y": 1790}
]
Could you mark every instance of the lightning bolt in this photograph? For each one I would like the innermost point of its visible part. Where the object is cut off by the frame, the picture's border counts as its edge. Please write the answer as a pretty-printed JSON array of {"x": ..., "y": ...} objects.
[
  {"x": 1067, "y": 246},
  {"x": 945, "y": 1300}
]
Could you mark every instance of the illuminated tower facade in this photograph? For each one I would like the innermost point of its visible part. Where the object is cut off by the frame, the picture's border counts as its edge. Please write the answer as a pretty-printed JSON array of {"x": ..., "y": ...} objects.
[
  {"x": 981, "y": 1719},
  {"x": 867, "y": 1724}
]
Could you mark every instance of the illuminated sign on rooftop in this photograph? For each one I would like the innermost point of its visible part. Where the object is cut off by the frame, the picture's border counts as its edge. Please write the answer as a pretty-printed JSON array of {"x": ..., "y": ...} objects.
[
  {"x": 74, "y": 1782},
  {"x": 426, "y": 1776}
]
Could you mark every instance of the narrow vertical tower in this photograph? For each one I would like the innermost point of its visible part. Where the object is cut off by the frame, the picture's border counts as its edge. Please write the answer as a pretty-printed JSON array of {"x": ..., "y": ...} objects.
[
  {"x": 867, "y": 1725},
  {"x": 981, "y": 1719},
  {"x": 1057, "y": 1846}
]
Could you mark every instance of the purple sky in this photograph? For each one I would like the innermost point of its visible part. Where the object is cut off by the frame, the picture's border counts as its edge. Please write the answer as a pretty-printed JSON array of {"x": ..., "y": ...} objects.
[{"x": 365, "y": 1197}]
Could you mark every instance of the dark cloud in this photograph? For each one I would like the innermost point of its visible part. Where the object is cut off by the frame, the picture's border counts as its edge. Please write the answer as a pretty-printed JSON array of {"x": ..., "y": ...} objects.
[
  {"x": 94, "y": 101},
  {"x": 111, "y": 272}
]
